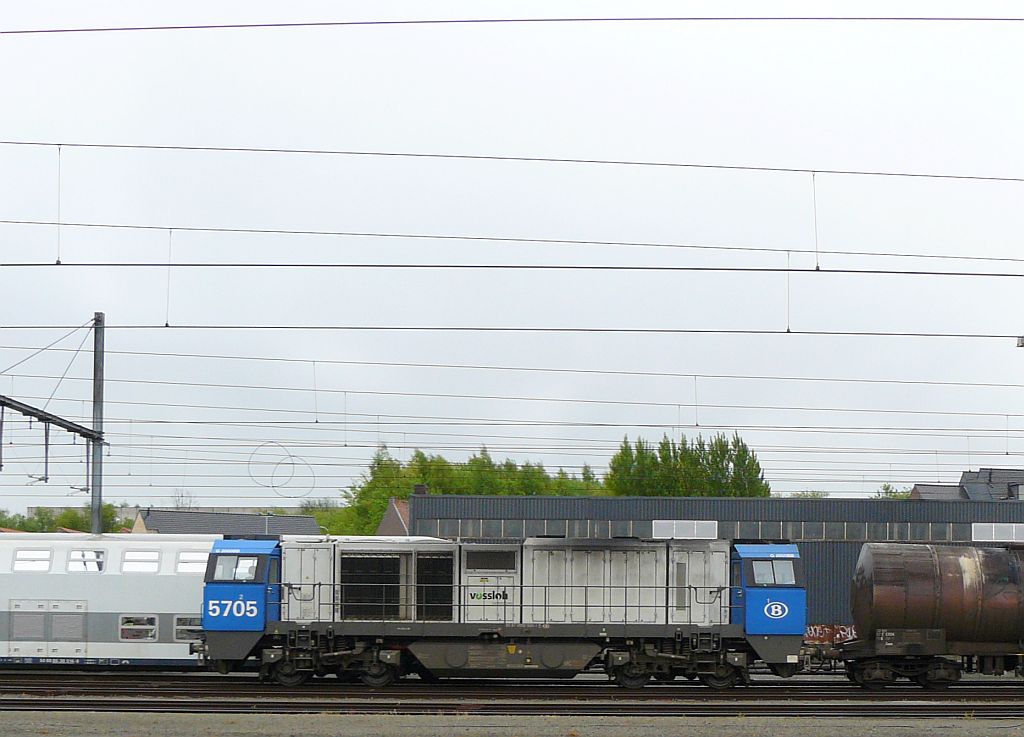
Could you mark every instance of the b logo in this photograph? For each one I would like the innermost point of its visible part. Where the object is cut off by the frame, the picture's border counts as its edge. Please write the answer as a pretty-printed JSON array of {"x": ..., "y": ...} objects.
[{"x": 775, "y": 610}]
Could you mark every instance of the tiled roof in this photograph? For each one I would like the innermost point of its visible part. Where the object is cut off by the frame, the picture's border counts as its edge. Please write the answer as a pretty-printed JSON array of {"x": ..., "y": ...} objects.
[
  {"x": 396, "y": 519},
  {"x": 936, "y": 491},
  {"x": 227, "y": 523}
]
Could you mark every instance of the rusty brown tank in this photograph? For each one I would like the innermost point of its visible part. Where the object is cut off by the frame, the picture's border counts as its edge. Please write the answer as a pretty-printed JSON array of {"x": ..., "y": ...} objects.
[{"x": 974, "y": 594}]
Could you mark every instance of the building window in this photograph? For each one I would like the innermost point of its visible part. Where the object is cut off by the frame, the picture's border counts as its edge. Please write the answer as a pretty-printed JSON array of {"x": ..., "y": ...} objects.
[
  {"x": 835, "y": 530},
  {"x": 919, "y": 532},
  {"x": 960, "y": 532},
  {"x": 32, "y": 560},
  {"x": 138, "y": 627},
  {"x": 814, "y": 530},
  {"x": 141, "y": 561},
  {"x": 187, "y": 628},
  {"x": 81, "y": 561},
  {"x": 191, "y": 562}
]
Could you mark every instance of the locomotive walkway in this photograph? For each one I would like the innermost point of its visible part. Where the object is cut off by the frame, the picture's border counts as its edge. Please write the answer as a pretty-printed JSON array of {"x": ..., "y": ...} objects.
[{"x": 240, "y": 695}]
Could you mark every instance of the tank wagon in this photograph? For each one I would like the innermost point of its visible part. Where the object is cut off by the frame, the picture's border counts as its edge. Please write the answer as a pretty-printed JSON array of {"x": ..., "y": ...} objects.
[
  {"x": 101, "y": 601},
  {"x": 377, "y": 608},
  {"x": 929, "y": 612}
]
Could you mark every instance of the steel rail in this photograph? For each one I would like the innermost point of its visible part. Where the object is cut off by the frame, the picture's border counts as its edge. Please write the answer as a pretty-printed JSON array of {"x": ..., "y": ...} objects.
[{"x": 905, "y": 709}]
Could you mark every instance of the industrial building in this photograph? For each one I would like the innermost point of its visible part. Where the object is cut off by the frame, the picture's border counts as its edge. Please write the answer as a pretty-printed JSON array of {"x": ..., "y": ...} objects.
[{"x": 829, "y": 532}]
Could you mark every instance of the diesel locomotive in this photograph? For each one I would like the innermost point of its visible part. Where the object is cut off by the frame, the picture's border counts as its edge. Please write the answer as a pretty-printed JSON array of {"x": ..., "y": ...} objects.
[{"x": 375, "y": 609}]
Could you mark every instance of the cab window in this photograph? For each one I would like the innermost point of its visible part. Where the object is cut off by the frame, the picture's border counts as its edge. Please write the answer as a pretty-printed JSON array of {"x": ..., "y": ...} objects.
[
  {"x": 235, "y": 568},
  {"x": 777, "y": 572}
]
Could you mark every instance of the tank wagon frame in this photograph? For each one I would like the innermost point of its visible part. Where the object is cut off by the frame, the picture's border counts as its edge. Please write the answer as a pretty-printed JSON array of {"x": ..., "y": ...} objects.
[{"x": 377, "y": 608}]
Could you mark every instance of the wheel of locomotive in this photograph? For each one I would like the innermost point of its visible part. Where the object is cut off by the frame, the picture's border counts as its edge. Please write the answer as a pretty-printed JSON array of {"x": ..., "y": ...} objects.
[
  {"x": 286, "y": 674},
  {"x": 631, "y": 675},
  {"x": 425, "y": 675},
  {"x": 724, "y": 677},
  {"x": 378, "y": 675}
]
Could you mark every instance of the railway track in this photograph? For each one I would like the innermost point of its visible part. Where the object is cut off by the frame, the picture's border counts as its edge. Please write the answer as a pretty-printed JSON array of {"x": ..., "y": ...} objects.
[
  {"x": 664, "y": 708},
  {"x": 594, "y": 697}
]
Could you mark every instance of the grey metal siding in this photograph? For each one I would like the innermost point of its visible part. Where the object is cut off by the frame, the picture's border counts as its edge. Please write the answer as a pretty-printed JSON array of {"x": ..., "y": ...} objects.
[
  {"x": 777, "y": 510},
  {"x": 828, "y": 568}
]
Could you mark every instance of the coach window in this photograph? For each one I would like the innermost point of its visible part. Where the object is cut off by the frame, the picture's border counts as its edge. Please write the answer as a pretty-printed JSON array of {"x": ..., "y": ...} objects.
[
  {"x": 141, "y": 561},
  {"x": 81, "y": 561},
  {"x": 187, "y": 628},
  {"x": 191, "y": 562},
  {"x": 32, "y": 560},
  {"x": 138, "y": 627}
]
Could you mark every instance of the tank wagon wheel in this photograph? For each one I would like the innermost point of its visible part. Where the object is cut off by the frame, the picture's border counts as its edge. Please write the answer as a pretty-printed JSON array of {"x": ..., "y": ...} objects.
[
  {"x": 724, "y": 677},
  {"x": 923, "y": 681},
  {"x": 631, "y": 675},
  {"x": 286, "y": 674},
  {"x": 378, "y": 675},
  {"x": 347, "y": 675}
]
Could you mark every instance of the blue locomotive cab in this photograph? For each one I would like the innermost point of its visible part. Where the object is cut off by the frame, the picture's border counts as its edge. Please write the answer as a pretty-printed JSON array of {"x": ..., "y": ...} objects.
[
  {"x": 243, "y": 586},
  {"x": 768, "y": 593}
]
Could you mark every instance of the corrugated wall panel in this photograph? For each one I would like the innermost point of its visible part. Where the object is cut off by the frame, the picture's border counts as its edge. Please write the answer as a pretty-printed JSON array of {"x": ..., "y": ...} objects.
[
  {"x": 828, "y": 568},
  {"x": 625, "y": 508}
]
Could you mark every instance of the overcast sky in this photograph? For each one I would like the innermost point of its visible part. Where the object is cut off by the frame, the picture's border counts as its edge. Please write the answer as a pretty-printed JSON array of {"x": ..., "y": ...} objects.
[{"x": 895, "y": 97}]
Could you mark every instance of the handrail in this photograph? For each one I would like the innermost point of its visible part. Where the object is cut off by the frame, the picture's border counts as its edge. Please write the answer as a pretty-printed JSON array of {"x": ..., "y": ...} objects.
[{"x": 509, "y": 604}]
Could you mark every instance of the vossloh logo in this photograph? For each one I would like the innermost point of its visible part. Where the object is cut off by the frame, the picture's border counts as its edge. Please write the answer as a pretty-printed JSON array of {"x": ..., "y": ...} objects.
[{"x": 488, "y": 595}]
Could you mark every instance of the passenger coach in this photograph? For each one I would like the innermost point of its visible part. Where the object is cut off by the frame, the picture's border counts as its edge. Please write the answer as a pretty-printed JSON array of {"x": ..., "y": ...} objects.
[
  {"x": 101, "y": 600},
  {"x": 377, "y": 608}
]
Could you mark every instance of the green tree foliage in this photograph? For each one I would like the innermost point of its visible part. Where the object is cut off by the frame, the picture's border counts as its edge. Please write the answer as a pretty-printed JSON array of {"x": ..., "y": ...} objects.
[
  {"x": 888, "y": 491},
  {"x": 44, "y": 520},
  {"x": 721, "y": 466},
  {"x": 365, "y": 502}
]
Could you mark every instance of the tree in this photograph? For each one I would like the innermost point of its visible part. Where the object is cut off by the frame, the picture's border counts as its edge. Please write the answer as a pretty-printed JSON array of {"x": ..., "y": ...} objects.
[
  {"x": 44, "y": 520},
  {"x": 888, "y": 491},
  {"x": 722, "y": 466}
]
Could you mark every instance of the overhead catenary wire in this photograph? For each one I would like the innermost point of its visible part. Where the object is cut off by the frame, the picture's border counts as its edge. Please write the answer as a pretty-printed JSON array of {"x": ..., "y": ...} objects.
[
  {"x": 248, "y": 327},
  {"x": 489, "y": 397},
  {"x": 506, "y": 240},
  {"x": 512, "y": 158},
  {"x": 355, "y": 265},
  {"x": 547, "y": 369}
]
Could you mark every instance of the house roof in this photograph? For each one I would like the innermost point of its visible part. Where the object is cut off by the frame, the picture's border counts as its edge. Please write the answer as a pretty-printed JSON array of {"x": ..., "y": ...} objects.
[
  {"x": 225, "y": 523},
  {"x": 945, "y": 492},
  {"x": 396, "y": 519}
]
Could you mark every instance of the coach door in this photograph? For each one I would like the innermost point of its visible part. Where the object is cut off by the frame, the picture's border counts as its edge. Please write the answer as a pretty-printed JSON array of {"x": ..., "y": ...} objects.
[
  {"x": 698, "y": 581},
  {"x": 309, "y": 573}
]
